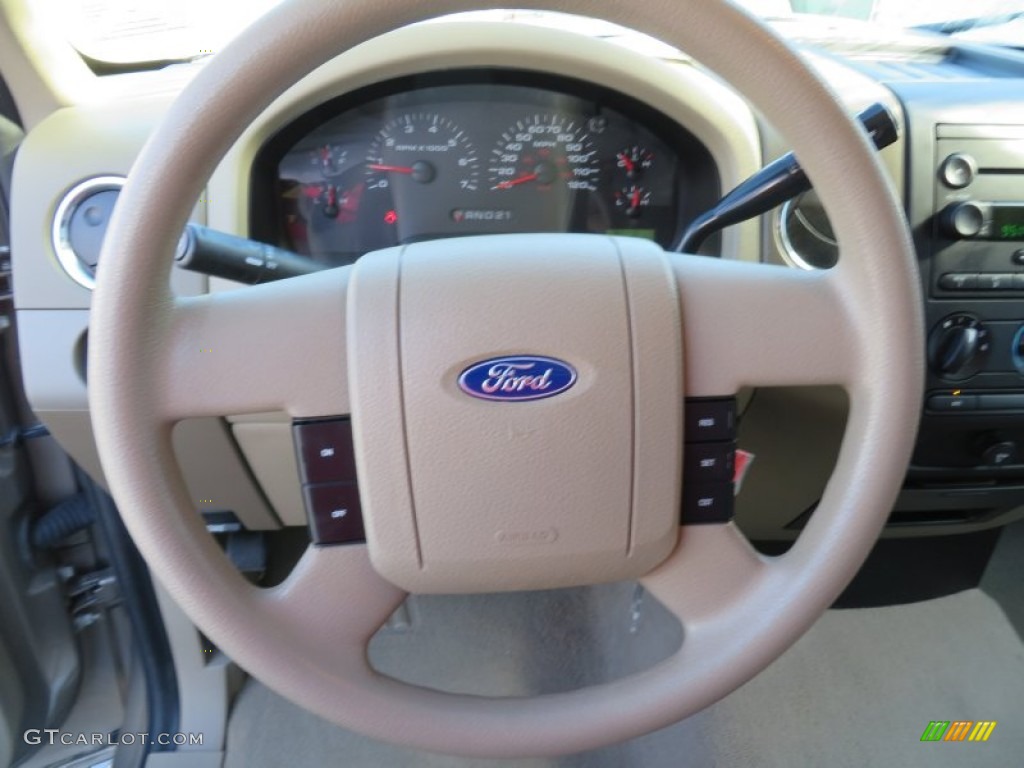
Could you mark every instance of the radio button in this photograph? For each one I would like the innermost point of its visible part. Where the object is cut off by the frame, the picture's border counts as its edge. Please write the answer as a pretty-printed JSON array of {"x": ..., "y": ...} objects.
[
  {"x": 995, "y": 281},
  {"x": 959, "y": 281}
]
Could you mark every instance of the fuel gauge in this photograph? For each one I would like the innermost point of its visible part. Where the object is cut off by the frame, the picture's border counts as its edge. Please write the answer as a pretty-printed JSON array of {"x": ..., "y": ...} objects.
[{"x": 632, "y": 200}]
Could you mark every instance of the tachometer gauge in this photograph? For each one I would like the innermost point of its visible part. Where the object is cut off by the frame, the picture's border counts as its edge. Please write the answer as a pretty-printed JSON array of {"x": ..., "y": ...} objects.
[
  {"x": 544, "y": 151},
  {"x": 422, "y": 149}
]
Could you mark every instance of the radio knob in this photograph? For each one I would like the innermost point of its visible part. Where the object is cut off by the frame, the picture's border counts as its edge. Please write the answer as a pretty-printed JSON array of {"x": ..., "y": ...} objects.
[
  {"x": 958, "y": 170},
  {"x": 963, "y": 220},
  {"x": 958, "y": 347}
]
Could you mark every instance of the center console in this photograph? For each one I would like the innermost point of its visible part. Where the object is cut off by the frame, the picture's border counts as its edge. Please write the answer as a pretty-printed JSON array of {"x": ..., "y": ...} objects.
[
  {"x": 974, "y": 408},
  {"x": 967, "y": 140}
]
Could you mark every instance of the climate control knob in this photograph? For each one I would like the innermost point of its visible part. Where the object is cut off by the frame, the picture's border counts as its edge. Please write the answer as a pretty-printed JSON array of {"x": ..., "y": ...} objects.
[{"x": 958, "y": 347}]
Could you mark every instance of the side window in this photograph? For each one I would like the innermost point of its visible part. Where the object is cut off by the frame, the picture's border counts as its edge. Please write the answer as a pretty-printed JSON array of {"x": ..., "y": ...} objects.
[{"x": 8, "y": 109}]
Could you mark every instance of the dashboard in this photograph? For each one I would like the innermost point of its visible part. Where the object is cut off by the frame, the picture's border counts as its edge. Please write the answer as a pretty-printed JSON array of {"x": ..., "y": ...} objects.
[
  {"x": 478, "y": 128},
  {"x": 462, "y": 129},
  {"x": 475, "y": 152}
]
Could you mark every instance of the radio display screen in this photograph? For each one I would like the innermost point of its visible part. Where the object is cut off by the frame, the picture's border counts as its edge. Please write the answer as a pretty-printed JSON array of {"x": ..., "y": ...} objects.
[{"x": 1008, "y": 222}]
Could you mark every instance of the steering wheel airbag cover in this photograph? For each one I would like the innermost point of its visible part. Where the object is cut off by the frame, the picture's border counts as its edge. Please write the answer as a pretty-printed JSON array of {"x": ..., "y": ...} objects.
[{"x": 466, "y": 494}]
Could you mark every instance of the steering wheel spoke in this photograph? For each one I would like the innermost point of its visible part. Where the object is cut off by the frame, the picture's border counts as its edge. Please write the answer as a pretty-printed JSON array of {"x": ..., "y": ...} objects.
[
  {"x": 307, "y": 598},
  {"x": 272, "y": 347},
  {"x": 758, "y": 325},
  {"x": 711, "y": 565}
]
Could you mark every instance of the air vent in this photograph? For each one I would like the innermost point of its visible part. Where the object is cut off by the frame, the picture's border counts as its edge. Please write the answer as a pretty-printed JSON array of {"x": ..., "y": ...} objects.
[
  {"x": 80, "y": 224},
  {"x": 805, "y": 233}
]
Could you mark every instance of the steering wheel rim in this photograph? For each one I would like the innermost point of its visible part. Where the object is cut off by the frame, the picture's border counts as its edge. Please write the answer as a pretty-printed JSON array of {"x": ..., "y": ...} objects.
[{"x": 740, "y": 611}]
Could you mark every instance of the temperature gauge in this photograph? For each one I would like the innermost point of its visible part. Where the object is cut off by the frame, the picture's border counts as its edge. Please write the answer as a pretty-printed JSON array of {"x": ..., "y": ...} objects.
[
  {"x": 633, "y": 200},
  {"x": 634, "y": 160}
]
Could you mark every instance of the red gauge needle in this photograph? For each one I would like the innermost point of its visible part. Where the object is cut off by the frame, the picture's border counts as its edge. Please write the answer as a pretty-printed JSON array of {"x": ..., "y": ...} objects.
[
  {"x": 391, "y": 168},
  {"x": 636, "y": 198},
  {"x": 513, "y": 182},
  {"x": 630, "y": 165}
]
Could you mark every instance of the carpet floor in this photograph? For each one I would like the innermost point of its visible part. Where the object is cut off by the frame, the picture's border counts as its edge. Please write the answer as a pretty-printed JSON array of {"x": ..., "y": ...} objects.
[{"x": 857, "y": 690}]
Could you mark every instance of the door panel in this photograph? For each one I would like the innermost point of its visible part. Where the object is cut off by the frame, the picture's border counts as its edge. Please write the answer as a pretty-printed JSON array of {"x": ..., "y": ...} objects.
[{"x": 39, "y": 660}]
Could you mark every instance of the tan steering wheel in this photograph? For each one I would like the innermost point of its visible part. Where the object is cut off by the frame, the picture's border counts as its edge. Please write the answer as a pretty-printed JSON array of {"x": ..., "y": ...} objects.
[{"x": 588, "y": 482}]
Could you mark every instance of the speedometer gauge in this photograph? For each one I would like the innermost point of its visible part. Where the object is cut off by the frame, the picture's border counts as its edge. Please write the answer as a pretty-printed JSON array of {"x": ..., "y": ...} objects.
[
  {"x": 422, "y": 149},
  {"x": 544, "y": 151}
]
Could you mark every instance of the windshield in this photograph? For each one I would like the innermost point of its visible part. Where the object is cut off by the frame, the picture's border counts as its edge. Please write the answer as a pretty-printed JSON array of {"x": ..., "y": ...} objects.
[{"x": 137, "y": 31}]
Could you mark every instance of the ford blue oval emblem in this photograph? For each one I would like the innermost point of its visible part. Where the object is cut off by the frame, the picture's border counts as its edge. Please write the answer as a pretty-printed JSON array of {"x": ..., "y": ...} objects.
[{"x": 524, "y": 377}]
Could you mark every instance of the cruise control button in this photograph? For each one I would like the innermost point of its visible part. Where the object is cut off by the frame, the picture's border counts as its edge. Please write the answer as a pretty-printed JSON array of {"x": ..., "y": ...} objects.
[
  {"x": 952, "y": 402},
  {"x": 707, "y": 503},
  {"x": 710, "y": 421},
  {"x": 335, "y": 514},
  {"x": 707, "y": 462},
  {"x": 326, "y": 454}
]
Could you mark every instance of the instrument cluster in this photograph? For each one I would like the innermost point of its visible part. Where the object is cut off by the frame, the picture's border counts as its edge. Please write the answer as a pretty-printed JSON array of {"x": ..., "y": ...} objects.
[{"x": 478, "y": 152}]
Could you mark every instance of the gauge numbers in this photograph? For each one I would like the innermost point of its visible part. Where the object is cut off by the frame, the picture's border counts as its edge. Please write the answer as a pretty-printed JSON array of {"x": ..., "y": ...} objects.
[
  {"x": 541, "y": 152},
  {"x": 422, "y": 148}
]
